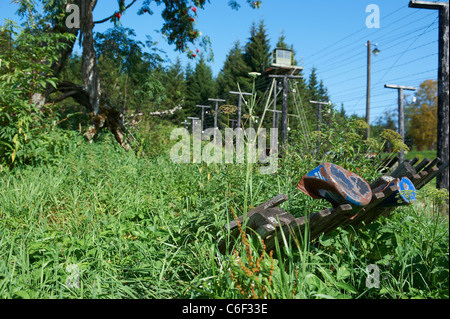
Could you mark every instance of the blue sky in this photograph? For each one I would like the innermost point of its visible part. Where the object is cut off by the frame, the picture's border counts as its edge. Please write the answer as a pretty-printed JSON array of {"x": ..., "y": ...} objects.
[{"x": 329, "y": 35}]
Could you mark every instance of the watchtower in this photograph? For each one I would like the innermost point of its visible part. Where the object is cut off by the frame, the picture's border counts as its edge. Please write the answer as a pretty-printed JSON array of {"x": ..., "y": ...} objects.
[{"x": 281, "y": 63}]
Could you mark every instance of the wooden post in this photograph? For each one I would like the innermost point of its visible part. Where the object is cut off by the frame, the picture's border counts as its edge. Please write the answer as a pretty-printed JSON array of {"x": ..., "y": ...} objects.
[
  {"x": 442, "y": 180},
  {"x": 401, "y": 114},
  {"x": 239, "y": 106}
]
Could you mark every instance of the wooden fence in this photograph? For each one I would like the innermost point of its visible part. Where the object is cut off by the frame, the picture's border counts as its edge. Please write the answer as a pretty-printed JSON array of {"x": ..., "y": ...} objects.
[{"x": 272, "y": 223}]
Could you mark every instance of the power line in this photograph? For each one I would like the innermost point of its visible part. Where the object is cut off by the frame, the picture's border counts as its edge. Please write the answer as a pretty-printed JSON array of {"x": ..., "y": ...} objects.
[
  {"x": 406, "y": 50},
  {"x": 350, "y": 35}
]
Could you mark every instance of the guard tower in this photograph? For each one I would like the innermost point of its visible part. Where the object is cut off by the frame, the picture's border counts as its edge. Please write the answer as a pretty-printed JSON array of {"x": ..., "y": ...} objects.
[{"x": 281, "y": 63}]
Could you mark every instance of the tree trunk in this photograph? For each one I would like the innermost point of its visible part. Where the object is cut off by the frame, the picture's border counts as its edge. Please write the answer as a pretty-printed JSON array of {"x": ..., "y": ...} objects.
[
  {"x": 90, "y": 96},
  {"x": 90, "y": 73}
]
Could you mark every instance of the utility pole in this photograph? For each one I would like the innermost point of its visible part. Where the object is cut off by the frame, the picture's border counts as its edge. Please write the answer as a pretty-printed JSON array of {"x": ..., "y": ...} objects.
[
  {"x": 284, "y": 105},
  {"x": 442, "y": 180},
  {"x": 368, "y": 91},
  {"x": 239, "y": 106},
  {"x": 401, "y": 113},
  {"x": 216, "y": 113},
  {"x": 203, "y": 114}
]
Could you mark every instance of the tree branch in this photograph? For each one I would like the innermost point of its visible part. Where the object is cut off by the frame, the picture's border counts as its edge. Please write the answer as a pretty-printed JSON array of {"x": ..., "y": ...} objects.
[{"x": 106, "y": 19}]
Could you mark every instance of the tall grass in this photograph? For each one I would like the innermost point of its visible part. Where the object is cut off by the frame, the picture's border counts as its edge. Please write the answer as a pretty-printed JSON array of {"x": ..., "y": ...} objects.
[{"x": 103, "y": 223}]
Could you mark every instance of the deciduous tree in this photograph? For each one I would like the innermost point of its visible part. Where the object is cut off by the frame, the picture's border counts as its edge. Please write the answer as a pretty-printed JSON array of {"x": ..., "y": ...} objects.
[
  {"x": 178, "y": 28},
  {"x": 422, "y": 115}
]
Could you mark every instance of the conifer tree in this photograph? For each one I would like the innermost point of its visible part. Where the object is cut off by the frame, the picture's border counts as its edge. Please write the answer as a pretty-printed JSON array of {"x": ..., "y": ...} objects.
[
  {"x": 234, "y": 72},
  {"x": 257, "y": 50},
  {"x": 200, "y": 86},
  {"x": 257, "y": 59},
  {"x": 313, "y": 86},
  {"x": 174, "y": 81}
]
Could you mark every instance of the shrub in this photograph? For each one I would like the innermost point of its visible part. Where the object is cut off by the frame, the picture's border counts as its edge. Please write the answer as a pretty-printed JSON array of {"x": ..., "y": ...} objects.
[{"x": 25, "y": 70}]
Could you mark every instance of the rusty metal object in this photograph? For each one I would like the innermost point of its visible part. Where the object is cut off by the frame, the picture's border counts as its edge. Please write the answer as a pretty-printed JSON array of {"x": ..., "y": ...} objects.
[{"x": 337, "y": 185}]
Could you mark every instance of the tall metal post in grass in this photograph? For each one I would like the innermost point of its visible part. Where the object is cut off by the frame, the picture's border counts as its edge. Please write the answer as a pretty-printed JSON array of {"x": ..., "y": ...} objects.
[
  {"x": 401, "y": 113},
  {"x": 239, "y": 106},
  {"x": 442, "y": 180}
]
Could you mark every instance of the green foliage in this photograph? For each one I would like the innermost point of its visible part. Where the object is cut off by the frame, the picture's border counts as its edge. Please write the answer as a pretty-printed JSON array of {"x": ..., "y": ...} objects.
[
  {"x": 175, "y": 86},
  {"x": 25, "y": 127},
  {"x": 144, "y": 227},
  {"x": 233, "y": 75},
  {"x": 131, "y": 77},
  {"x": 422, "y": 115},
  {"x": 200, "y": 85}
]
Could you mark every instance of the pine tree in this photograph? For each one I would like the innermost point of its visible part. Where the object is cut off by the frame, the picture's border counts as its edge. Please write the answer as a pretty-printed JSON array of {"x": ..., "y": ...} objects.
[
  {"x": 323, "y": 92},
  {"x": 234, "y": 72},
  {"x": 313, "y": 86},
  {"x": 174, "y": 81},
  {"x": 257, "y": 59},
  {"x": 257, "y": 50},
  {"x": 200, "y": 86}
]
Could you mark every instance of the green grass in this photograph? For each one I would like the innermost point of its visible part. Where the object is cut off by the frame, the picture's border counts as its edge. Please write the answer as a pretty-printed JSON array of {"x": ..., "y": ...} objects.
[
  {"x": 144, "y": 227},
  {"x": 420, "y": 154}
]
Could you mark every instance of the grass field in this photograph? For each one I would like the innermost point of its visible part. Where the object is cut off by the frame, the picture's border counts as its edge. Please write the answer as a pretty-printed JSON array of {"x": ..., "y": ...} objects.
[{"x": 103, "y": 223}]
